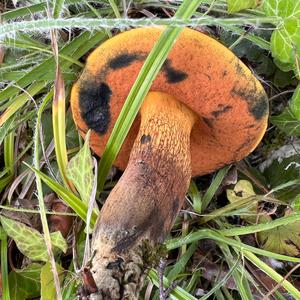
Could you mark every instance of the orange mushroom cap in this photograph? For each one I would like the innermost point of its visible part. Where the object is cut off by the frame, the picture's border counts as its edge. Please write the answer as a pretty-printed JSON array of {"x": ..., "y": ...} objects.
[{"x": 203, "y": 74}]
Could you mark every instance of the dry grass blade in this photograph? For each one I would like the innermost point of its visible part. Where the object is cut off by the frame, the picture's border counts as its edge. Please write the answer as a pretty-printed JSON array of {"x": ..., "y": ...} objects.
[{"x": 58, "y": 119}]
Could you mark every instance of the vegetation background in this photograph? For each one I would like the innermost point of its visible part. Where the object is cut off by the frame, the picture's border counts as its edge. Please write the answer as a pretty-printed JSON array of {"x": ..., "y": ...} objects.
[{"x": 238, "y": 236}]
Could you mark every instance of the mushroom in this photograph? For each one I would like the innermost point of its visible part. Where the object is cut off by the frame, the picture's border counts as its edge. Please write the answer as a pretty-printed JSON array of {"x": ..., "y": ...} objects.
[{"x": 205, "y": 110}]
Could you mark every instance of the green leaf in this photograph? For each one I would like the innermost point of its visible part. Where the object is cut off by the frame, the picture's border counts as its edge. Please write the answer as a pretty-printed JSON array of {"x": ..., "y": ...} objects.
[
  {"x": 29, "y": 241},
  {"x": 287, "y": 122},
  {"x": 25, "y": 283},
  {"x": 58, "y": 241},
  {"x": 5, "y": 128},
  {"x": 80, "y": 171},
  {"x": 295, "y": 103},
  {"x": 283, "y": 239},
  {"x": 195, "y": 197},
  {"x": 282, "y": 79},
  {"x": 281, "y": 172},
  {"x": 237, "y": 5},
  {"x": 285, "y": 41},
  {"x": 282, "y": 66},
  {"x": 244, "y": 190},
  {"x": 296, "y": 203},
  {"x": 216, "y": 182},
  {"x": 48, "y": 290},
  {"x": 282, "y": 8}
]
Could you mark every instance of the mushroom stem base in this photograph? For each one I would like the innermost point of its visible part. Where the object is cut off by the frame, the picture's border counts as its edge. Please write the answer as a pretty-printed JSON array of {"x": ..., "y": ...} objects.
[{"x": 143, "y": 205}]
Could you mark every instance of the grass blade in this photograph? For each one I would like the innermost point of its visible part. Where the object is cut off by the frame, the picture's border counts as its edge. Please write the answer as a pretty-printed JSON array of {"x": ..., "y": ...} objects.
[
  {"x": 273, "y": 274},
  {"x": 40, "y": 196},
  {"x": 4, "y": 265},
  {"x": 178, "y": 293},
  {"x": 67, "y": 196},
  {"x": 57, "y": 8},
  {"x": 59, "y": 127},
  {"x": 213, "y": 187},
  {"x": 13, "y": 28},
  {"x": 210, "y": 234}
]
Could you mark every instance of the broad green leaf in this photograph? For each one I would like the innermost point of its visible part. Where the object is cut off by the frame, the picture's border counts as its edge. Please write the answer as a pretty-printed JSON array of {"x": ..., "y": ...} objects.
[
  {"x": 80, "y": 171},
  {"x": 244, "y": 190},
  {"x": 283, "y": 239},
  {"x": 282, "y": 66},
  {"x": 48, "y": 290},
  {"x": 25, "y": 283},
  {"x": 282, "y": 8},
  {"x": 28, "y": 240},
  {"x": 295, "y": 103},
  {"x": 285, "y": 41},
  {"x": 237, "y": 5},
  {"x": 58, "y": 241},
  {"x": 283, "y": 79},
  {"x": 287, "y": 122},
  {"x": 283, "y": 171}
]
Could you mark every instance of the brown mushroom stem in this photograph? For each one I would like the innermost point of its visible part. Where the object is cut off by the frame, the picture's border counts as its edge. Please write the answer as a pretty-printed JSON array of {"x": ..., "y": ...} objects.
[{"x": 146, "y": 200}]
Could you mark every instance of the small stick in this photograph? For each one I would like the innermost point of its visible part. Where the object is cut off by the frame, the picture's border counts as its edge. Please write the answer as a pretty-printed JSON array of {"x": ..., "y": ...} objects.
[{"x": 164, "y": 293}]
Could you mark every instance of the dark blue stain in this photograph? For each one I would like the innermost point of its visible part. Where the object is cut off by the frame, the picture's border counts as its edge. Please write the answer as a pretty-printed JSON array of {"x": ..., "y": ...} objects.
[
  {"x": 123, "y": 60},
  {"x": 173, "y": 75},
  {"x": 94, "y": 105},
  {"x": 260, "y": 107},
  {"x": 257, "y": 102}
]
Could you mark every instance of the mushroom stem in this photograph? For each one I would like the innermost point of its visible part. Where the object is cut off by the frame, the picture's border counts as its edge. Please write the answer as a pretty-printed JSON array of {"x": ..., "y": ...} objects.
[{"x": 145, "y": 202}]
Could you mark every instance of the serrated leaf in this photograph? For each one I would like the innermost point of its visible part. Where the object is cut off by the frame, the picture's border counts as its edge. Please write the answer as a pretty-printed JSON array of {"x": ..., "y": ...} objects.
[
  {"x": 283, "y": 239},
  {"x": 237, "y": 5},
  {"x": 48, "y": 290},
  {"x": 80, "y": 171},
  {"x": 287, "y": 122},
  {"x": 295, "y": 103},
  {"x": 25, "y": 283},
  {"x": 28, "y": 240}
]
